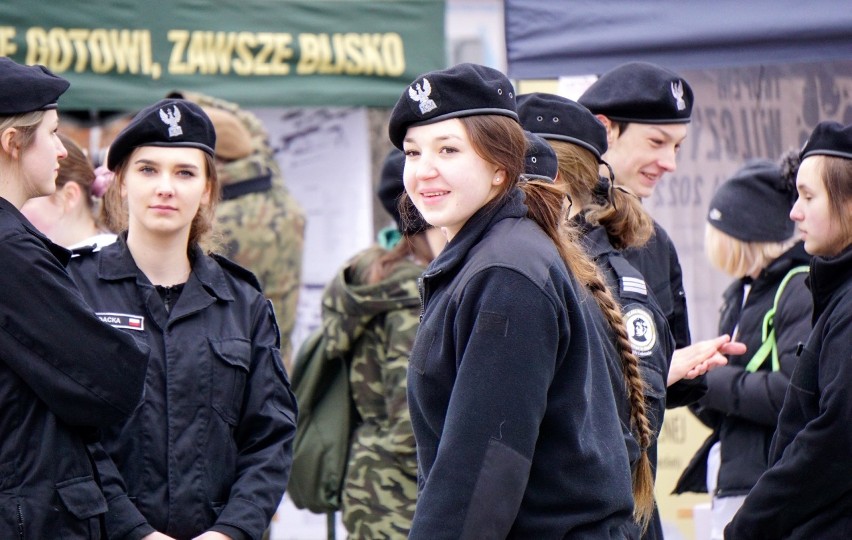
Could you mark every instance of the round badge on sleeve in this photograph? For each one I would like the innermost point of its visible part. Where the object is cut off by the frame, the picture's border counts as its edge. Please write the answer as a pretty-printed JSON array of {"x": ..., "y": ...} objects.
[{"x": 641, "y": 330}]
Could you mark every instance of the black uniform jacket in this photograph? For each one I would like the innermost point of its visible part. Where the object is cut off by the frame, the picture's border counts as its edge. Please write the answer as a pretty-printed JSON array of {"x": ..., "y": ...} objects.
[
  {"x": 651, "y": 340},
  {"x": 658, "y": 262},
  {"x": 743, "y": 407},
  {"x": 513, "y": 413},
  {"x": 63, "y": 373},
  {"x": 210, "y": 445},
  {"x": 807, "y": 492}
]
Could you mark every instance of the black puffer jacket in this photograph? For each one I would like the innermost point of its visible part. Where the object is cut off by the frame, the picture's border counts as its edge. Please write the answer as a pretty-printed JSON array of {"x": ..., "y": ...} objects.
[{"x": 743, "y": 407}]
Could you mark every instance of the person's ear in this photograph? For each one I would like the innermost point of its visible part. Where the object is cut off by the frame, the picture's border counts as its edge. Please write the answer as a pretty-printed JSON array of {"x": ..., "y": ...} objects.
[
  {"x": 8, "y": 142},
  {"x": 71, "y": 194},
  {"x": 205, "y": 197},
  {"x": 611, "y": 130},
  {"x": 499, "y": 177}
]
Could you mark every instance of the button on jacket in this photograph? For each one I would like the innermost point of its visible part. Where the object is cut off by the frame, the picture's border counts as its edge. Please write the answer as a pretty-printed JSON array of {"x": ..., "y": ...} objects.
[
  {"x": 63, "y": 373},
  {"x": 807, "y": 492},
  {"x": 512, "y": 408},
  {"x": 210, "y": 445}
]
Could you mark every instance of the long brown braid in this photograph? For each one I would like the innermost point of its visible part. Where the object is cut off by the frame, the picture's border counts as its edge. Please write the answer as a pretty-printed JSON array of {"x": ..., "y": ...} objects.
[{"x": 501, "y": 141}]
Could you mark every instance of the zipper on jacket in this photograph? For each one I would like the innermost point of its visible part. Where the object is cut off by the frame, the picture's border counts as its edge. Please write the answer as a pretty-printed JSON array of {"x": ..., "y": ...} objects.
[
  {"x": 421, "y": 286},
  {"x": 20, "y": 523}
]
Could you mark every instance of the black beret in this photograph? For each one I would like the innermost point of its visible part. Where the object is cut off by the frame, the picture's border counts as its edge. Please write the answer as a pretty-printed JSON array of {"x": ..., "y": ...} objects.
[
  {"x": 28, "y": 88},
  {"x": 170, "y": 122},
  {"x": 640, "y": 92},
  {"x": 829, "y": 139},
  {"x": 540, "y": 159},
  {"x": 390, "y": 190},
  {"x": 558, "y": 118},
  {"x": 462, "y": 90},
  {"x": 754, "y": 204}
]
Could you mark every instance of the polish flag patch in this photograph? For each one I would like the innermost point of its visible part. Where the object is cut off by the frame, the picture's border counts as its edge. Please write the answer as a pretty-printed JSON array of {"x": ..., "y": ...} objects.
[{"x": 123, "y": 320}]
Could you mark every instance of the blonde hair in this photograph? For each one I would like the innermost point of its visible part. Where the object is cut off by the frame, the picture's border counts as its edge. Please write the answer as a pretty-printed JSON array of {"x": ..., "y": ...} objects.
[
  {"x": 738, "y": 258},
  {"x": 26, "y": 125},
  {"x": 114, "y": 212},
  {"x": 501, "y": 141}
]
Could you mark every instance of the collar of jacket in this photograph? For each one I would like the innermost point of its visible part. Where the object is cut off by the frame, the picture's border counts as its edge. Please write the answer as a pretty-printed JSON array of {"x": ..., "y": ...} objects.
[
  {"x": 116, "y": 263},
  {"x": 777, "y": 269},
  {"x": 58, "y": 251},
  {"x": 455, "y": 252},
  {"x": 594, "y": 238},
  {"x": 827, "y": 276}
]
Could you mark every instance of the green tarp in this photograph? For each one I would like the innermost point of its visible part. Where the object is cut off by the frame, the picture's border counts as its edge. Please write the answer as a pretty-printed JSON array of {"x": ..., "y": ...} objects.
[{"x": 263, "y": 53}]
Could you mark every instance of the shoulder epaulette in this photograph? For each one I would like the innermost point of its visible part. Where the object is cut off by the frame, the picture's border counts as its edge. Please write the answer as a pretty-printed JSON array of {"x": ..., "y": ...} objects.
[
  {"x": 239, "y": 271},
  {"x": 631, "y": 283}
]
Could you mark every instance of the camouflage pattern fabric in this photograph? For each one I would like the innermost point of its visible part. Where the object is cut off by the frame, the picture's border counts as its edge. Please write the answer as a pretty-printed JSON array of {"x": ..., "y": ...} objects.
[
  {"x": 375, "y": 326},
  {"x": 263, "y": 231}
]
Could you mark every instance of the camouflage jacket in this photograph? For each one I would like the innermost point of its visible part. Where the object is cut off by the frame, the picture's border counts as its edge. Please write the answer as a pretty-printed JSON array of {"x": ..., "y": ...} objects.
[{"x": 374, "y": 325}]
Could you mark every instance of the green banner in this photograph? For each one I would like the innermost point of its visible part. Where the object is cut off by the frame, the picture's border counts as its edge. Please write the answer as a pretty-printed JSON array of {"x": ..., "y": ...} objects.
[{"x": 121, "y": 54}]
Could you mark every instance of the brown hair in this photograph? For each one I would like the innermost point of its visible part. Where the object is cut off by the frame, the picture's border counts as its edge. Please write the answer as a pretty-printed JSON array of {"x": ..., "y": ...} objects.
[
  {"x": 414, "y": 246},
  {"x": 620, "y": 213},
  {"x": 76, "y": 168},
  {"x": 114, "y": 209},
  {"x": 837, "y": 177},
  {"x": 500, "y": 140}
]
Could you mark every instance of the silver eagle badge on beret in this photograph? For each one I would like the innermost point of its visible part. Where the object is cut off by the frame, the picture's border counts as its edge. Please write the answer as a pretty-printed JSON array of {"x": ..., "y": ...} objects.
[
  {"x": 171, "y": 119},
  {"x": 421, "y": 95}
]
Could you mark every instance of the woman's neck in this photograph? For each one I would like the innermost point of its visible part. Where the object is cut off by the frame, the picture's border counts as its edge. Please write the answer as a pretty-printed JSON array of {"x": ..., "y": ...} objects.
[
  {"x": 74, "y": 231},
  {"x": 10, "y": 188},
  {"x": 163, "y": 260}
]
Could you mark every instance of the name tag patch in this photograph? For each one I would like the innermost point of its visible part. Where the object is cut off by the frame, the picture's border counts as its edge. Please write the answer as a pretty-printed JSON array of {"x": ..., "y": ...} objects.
[{"x": 123, "y": 320}]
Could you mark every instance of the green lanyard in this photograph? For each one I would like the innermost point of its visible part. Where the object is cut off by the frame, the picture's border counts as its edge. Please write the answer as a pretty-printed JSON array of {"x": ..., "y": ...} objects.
[{"x": 769, "y": 345}]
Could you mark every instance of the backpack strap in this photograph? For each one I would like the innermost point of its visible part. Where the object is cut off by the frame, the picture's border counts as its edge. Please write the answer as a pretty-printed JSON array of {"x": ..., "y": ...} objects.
[{"x": 769, "y": 346}]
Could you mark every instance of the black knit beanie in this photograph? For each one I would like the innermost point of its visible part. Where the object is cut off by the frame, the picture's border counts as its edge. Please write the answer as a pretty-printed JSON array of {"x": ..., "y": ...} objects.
[{"x": 754, "y": 204}]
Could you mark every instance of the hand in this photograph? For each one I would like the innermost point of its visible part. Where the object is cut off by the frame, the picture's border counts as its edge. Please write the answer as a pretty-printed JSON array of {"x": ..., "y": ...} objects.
[
  {"x": 212, "y": 535},
  {"x": 157, "y": 536},
  {"x": 699, "y": 358}
]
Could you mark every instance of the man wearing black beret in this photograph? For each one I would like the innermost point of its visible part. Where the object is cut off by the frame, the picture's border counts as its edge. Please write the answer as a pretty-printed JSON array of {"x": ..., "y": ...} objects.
[{"x": 645, "y": 109}]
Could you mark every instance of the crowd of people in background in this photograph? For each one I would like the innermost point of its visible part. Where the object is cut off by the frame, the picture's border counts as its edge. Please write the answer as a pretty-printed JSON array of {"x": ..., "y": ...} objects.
[{"x": 512, "y": 341}]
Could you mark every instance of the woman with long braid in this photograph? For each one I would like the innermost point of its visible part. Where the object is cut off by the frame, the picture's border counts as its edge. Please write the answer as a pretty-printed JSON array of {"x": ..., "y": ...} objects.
[
  {"x": 513, "y": 412},
  {"x": 610, "y": 220}
]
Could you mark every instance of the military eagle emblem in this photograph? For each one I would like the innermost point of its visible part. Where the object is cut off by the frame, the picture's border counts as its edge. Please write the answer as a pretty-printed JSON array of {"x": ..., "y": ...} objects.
[
  {"x": 677, "y": 92},
  {"x": 171, "y": 119},
  {"x": 420, "y": 94}
]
